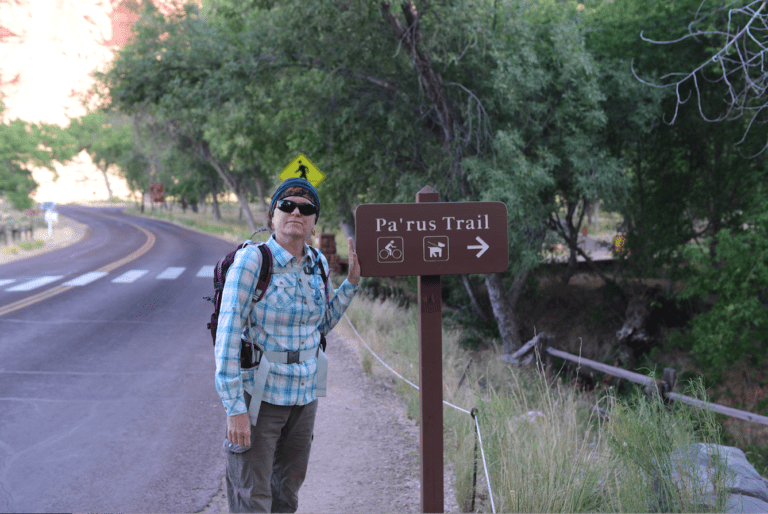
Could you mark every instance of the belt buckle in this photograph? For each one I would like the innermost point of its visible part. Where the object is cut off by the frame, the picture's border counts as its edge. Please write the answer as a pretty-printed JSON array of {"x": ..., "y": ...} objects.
[{"x": 293, "y": 357}]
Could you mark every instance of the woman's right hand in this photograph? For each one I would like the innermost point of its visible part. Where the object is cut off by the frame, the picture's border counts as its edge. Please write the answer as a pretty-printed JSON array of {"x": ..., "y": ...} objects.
[{"x": 239, "y": 429}]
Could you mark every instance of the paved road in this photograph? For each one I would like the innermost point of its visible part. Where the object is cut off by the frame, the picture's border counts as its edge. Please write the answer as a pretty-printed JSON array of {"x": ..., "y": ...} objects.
[{"x": 107, "y": 400}]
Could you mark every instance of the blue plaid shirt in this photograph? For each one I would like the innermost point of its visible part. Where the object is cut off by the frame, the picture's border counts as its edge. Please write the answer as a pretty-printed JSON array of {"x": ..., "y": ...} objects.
[{"x": 291, "y": 316}]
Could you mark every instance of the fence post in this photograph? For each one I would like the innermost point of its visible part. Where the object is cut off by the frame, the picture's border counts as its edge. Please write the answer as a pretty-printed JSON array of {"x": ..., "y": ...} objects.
[
  {"x": 669, "y": 378},
  {"x": 543, "y": 359}
]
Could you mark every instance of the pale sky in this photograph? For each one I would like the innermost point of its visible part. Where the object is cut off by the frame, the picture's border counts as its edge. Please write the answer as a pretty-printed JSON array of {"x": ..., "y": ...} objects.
[{"x": 48, "y": 50}]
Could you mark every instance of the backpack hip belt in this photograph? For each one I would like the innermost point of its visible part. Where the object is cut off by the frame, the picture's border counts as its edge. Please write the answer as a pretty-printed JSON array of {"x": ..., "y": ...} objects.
[{"x": 261, "y": 372}]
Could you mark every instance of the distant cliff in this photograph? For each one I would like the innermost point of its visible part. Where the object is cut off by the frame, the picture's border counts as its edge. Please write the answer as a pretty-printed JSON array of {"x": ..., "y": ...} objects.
[{"x": 49, "y": 49}]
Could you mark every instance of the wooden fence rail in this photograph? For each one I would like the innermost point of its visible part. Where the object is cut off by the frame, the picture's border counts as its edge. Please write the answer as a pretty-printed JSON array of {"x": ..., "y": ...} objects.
[
  {"x": 662, "y": 386},
  {"x": 720, "y": 409}
]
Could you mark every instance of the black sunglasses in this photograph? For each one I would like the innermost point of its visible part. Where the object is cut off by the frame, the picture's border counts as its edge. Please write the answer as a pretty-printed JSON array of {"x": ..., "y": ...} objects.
[{"x": 306, "y": 209}]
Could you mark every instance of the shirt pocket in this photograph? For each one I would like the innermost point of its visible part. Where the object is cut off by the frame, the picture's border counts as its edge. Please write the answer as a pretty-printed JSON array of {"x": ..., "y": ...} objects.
[
  {"x": 318, "y": 291},
  {"x": 282, "y": 291}
]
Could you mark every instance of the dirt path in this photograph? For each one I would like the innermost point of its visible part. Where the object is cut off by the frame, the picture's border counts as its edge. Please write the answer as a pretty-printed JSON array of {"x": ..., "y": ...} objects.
[{"x": 365, "y": 455}]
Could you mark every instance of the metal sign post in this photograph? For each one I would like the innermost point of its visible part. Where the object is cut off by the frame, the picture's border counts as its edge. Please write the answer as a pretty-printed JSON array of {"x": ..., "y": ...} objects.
[
  {"x": 431, "y": 381},
  {"x": 428, "y": 239}
]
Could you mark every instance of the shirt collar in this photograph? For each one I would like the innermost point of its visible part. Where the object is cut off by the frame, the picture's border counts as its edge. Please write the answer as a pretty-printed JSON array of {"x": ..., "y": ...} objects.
[{"x": 282, "y": 257}]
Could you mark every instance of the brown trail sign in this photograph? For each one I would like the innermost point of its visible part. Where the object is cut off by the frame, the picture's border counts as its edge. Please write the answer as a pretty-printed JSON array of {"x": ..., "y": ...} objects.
[
  {"x": 428, "y": 239},
  {"x": 398, "y": 239}
]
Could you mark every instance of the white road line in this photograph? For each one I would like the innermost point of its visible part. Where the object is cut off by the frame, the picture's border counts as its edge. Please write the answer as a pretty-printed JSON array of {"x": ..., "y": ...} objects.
[
  {"x": 130, "y": 276},
  {"x": 171, "y": 273},
  {"x": 34, "y": 284},
  {"x": 86, "y": 279},
  {"x": 6, "y": 281},
  {"x": 206, "y": 271}
]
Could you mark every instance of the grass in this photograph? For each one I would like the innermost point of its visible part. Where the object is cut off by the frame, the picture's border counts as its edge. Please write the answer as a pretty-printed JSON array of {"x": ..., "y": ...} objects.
[
  {"x": 29, "y": 245},
  {"x": 546, "y": 449},
  {"x": 230, "y": 226}
]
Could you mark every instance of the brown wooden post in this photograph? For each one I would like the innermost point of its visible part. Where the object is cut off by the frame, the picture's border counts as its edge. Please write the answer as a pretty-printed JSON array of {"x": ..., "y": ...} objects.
[
  {"x": 669, "y": 380},
  {"x": 431, "y": 381}
]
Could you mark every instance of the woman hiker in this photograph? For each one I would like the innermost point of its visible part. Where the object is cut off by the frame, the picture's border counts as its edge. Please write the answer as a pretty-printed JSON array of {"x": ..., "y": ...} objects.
[{"x": 269, "y": 433}]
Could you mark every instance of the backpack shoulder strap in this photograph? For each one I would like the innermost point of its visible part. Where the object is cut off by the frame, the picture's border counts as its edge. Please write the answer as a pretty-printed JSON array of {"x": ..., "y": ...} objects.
[
  {"x": 265, "y": 273},
  {"x": 323, "y": 274}
]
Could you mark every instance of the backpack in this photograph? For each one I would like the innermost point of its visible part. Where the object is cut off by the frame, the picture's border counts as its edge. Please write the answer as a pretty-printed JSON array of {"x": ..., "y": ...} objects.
[{"x": 265, "y": 276}]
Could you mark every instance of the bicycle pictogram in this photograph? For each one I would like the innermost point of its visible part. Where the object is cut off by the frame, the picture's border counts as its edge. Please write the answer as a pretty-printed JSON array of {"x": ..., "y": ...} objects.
[{"x": 390, "y": 249}]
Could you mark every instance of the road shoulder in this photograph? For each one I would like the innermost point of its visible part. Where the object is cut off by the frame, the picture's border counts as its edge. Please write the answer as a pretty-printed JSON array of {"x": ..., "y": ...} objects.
[{"x": 65, "y": 232}]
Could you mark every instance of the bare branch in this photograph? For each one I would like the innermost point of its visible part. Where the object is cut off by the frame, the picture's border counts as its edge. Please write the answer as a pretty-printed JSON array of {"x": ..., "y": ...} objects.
[
  {"x": 741, "y": 61},
  {"x": 373, "y": 80}
]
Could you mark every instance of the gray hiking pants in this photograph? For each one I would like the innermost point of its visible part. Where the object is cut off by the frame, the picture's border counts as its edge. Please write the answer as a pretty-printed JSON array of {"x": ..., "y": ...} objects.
[{"x": 267, "y": 477}]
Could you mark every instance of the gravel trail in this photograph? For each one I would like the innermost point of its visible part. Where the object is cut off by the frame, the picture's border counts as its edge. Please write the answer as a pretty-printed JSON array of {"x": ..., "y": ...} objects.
[{"x": 365, "y": 454}]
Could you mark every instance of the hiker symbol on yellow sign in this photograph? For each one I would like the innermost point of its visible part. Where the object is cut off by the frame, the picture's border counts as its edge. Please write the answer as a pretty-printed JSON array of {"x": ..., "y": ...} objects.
[{"x": 302, "y": 167}]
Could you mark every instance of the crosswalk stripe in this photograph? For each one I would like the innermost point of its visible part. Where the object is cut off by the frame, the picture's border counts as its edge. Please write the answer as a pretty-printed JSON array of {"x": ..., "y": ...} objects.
[
  {"x": 34, "y": 284},
  {"x": 206, "y": 271},
  {"x": 130, "y": 276},
  {"x": 133, "y": 275},
  {"x": 85, "y": 279},
  {"x": 171, "y": 273}
]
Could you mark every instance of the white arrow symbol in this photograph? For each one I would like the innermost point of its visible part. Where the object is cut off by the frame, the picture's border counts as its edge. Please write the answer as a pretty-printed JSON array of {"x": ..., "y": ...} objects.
[{"x": 483, "y": 246}]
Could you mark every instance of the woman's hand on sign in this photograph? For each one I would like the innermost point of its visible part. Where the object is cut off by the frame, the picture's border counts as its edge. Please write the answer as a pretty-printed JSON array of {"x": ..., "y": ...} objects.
[{"x": 354, "y": 264}]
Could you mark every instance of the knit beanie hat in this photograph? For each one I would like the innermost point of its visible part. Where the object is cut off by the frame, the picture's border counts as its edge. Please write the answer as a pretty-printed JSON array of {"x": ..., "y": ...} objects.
[{"x": 295, "y": 187}]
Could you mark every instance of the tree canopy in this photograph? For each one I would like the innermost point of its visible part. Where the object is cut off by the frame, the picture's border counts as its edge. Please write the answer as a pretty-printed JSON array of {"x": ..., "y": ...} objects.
[
  {"x": 534, "y": 104},
  {"x": 23, "y": 146}
]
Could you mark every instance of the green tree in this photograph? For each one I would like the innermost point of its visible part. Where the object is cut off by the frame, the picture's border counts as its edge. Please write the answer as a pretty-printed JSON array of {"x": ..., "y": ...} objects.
[
  {"x": 194, "y": 75},
  {"x": 23, "y": 146},
  {"x": 736, "y": 280},
  {"x": 546, "y": 105},
  {"x": 518, "y": 70},
  {"x": 503, "y": 105},
  {"x": 688, "y": 179},
  {"x": 106, "y": 137},
  {"x": 694, "y": 183}
]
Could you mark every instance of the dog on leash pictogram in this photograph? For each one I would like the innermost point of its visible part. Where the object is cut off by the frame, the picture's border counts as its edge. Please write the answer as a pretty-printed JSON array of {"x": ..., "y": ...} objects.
[{"x": 436, "y": 248}]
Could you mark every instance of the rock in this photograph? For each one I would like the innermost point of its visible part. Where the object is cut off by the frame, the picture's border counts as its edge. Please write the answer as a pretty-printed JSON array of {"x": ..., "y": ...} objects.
[
  {"x": 739, "y": 503},
  {"x": 533, "y": 416},
  {"x": 748, "y": 490}
]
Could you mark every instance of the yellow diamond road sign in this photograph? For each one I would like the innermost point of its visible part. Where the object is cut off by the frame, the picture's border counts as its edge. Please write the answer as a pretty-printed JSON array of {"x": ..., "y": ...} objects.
[{"x": 301, "y": 167}]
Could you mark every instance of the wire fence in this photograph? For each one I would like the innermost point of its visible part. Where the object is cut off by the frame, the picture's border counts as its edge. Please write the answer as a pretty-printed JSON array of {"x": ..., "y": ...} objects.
[{"x": 472, "y": 413}]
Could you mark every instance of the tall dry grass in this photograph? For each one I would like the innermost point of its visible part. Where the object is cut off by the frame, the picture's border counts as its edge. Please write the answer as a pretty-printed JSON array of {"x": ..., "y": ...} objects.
[{"x": 546, "y": 449}]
